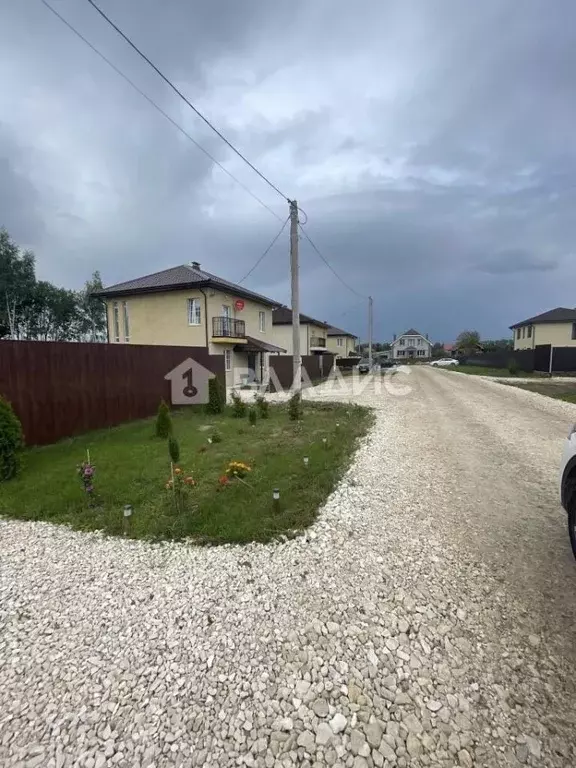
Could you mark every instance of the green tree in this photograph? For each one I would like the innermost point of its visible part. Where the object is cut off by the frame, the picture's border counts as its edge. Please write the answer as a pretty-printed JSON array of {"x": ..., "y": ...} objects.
[
  {"x": 437, "y": 349},
  {"x": 498, "y": 345},
  {"x": 468, "y": 342},
  {"x": 92, "y": 310},
  {"x": 17, "y": 283}
]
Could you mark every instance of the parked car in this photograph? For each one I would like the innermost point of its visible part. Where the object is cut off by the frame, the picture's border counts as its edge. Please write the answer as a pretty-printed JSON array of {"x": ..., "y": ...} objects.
[
  {"x": 568, "y": 484},
  {"x": 444, "y": 362},
  {"x": 364, "y": 366}
]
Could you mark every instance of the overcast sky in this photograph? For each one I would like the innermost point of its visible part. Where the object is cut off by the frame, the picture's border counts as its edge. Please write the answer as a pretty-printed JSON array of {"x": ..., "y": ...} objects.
[{"x": 432, "y": 144}]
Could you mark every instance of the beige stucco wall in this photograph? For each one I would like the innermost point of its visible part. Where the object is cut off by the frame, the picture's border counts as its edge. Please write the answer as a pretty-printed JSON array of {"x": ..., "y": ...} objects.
[
  {"x": 557, "y": 334},
  {"x": 162, "y": 318},
  {"x": 282, "y": 337},
  {"x": 348, "y": 345}
]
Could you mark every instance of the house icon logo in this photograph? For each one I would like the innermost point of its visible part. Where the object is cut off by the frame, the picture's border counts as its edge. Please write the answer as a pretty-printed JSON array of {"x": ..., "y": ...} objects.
[{"x": 189, "y": 383}]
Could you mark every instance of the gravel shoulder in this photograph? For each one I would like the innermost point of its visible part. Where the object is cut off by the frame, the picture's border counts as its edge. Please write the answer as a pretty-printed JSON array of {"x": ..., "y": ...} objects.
[{"x": 428, "y": 618}]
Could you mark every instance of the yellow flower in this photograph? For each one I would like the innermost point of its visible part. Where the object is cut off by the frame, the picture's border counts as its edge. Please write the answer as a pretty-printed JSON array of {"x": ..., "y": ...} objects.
[{"x": 177, "y": 471}]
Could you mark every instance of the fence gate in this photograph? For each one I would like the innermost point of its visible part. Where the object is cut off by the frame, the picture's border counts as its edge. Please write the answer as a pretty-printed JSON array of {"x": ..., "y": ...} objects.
[{"x": 542, "y": 357}]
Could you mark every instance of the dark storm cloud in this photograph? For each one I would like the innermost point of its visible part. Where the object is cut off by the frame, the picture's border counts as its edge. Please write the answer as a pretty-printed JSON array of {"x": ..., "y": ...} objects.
[
  {"x": 430, "y": 143},
  {"x": 508, "y": 262}
]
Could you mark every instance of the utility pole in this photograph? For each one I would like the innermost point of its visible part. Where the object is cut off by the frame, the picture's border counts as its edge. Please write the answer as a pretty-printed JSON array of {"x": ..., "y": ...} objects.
[
  {"x": 370, "y": 326},
  {"x": 295, "y": 299}
]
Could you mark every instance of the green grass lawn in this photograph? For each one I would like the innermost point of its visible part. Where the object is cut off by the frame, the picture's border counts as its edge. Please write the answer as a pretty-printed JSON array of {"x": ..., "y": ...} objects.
[
  {"x": 479, "y": 370},
  {"x": 557, "y": 389},
  {"x": 133, "y": 467}
]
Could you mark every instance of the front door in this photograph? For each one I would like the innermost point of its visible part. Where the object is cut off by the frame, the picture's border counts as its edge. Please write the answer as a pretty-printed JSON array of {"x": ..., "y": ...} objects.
[{"x": 252, "y": 366}]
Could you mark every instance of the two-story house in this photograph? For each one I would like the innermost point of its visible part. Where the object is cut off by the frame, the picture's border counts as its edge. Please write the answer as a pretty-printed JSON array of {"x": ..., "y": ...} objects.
[
  {"x": 556, "y": 327},
  {"x": 313, "y": 339},
  {"x": 411, "y": 344},
  {"x": 187, "y": 306},
  {"x": 341, "y": 343}
]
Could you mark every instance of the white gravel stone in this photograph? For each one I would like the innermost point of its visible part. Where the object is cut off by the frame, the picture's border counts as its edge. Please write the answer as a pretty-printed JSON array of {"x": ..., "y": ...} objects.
[{"x": 338, "y": 723}]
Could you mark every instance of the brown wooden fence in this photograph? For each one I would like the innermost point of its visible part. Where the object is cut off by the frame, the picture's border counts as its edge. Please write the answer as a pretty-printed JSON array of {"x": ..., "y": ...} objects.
[
  {"x": 61, "y": 389},
  {"x": 317, "y": 367}
]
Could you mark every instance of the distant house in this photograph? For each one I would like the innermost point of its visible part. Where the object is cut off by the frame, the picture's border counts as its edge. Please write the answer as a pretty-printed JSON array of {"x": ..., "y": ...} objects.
[
  {"x": 313, "y": 333},
  {"x": 556, "y": 327},
  {"x": 341, "y": 343},
  {"x": 187, "y": 306},
  {"x": 411, "y": 344}
]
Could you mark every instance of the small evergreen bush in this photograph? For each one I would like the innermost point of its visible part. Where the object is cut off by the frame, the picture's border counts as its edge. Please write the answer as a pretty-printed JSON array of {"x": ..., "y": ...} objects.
[
  {"x": 238, "y": 406},
  {"x": 11, "y": 441},
  {"x": 216, "y": 437},
  {"x": 263, "y": 407},
  {"x": 163, "y": 421},
  {"x": 295, "y": 407},
  {"x": 173, "y": 449},
  {"x": 513, "y": 367},
  {"x": 216, "y": 398}
]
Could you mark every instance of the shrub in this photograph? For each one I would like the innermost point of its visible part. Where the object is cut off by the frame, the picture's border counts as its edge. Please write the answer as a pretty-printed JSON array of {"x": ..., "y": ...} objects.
[
  {"x": 216, "y": 398},
  {"x": 238, "y": 406},
  {"x": 216, "y": 437},
  {"x": 174, "y": 449},
  {"x": 11, "y": 441},
  {"x": 513, "y": 367},
  {"x": 253, "y": 416},
  {"x": 263, "y": 407},
  {"x": 295, "y": 407},
  {"x": 163, "y": 421}
]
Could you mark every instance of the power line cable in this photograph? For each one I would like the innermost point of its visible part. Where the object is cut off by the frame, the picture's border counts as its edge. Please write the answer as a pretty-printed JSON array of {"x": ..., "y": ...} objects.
[
  {"x": 158, "y": 108},
  {"x": 181, "y": 95},
  {"x": 330, "y": 267},
  {"x": 265, "y": 252}
]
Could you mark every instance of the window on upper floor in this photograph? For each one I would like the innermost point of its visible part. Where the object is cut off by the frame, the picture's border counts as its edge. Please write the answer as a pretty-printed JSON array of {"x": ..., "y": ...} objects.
[
  {"x": 529, "y": 332},
  {"x": 116, "y": 320},
  {"x": 524, "y": 332},
  {"x": 518, "y": 332},
  {"x": 126, "y": 321},
  {"x": 339, "y": 342},
  {"x": 194, "y": 312},
  {"x": 262, "y": 321},
  {"x": 419, "y": 342},
  {"x": 402, "y": 342}
]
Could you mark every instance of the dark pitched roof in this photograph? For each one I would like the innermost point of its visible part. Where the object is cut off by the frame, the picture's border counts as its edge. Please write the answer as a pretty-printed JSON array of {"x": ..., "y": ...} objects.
[
  {"x": 178, "y": 278},
  {"x": 558, "y": 315},
  {"x": 333, "y": 331},
  {"x": 412, "y": 332},
  {"x": 283, "y": 316}
]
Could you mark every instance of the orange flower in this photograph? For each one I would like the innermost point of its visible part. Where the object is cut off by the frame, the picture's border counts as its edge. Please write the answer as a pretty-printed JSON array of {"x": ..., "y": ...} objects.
[
  {"x": 177, "y": 471},
  {"x": 190, "y": 481}
]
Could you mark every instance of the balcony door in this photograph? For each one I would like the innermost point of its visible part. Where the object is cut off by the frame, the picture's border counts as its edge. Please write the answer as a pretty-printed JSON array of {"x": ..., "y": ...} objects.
[{"x": 227, "y": 319}]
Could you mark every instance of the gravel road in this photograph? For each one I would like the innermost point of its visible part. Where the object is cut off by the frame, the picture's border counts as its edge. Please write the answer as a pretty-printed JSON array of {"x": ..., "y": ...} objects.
[{"x": 428, "y": 618}]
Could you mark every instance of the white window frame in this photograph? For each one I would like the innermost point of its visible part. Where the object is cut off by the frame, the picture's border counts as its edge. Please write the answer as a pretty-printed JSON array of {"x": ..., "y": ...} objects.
[
  {"x": 194, "y": 312},
  {"x": 402, "y": 342},
  {"x": 227, "y": 360},
  {"x": 339, "y": 341},
  {"x": 401, "y": 353},
  {"x": 262, "y": 321},
  {"x": 116, "y": 321},
  {"x": 126, "y": 318}
]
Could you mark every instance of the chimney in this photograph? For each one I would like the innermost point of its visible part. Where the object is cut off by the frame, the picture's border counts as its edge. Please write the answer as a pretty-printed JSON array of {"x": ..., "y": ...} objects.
[
  {"x": 194, "y": 264},
  {"x": 427, "y": 337},
  {"x": 394, "y": 337}
]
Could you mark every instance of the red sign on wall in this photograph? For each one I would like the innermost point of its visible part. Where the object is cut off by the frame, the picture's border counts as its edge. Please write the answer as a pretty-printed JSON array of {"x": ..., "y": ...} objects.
[{"x": 239, "y": 305}]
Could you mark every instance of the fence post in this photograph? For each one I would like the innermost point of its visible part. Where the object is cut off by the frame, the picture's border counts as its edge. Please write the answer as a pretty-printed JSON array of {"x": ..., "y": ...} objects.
[{"x": 551, "y": 363}]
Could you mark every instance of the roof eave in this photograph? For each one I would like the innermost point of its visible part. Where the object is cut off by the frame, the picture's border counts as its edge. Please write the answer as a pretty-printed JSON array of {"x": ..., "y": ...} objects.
[{"x": 110, "y": 293}]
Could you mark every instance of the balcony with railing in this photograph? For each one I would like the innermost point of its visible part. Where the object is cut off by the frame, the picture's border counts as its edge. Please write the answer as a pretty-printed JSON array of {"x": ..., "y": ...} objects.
[
  {"x": 228, "y": 328},
  {"x": 317, "y": 342}
]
